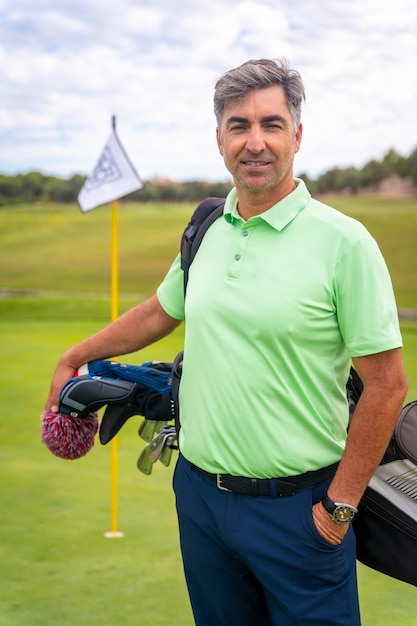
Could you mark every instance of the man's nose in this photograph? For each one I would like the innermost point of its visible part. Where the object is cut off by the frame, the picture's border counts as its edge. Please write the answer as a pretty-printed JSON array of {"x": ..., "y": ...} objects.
[{"x": 255, "y": 142}]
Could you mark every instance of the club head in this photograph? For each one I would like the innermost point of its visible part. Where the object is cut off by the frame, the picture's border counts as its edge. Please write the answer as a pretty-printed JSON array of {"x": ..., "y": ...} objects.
[
  {"x": 147, "y": 430},
  {"x": 144, "y": 463},
  {"x": 166, "y": 454},
  {"x": 156, "y": 446}
]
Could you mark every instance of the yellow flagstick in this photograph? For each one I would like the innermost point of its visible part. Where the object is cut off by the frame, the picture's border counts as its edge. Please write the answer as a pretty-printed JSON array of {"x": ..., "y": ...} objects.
[
  {"x": 114, "y": 315},
  {"x": 114, "y": 168},
  {"x": 114, "y": 263}
]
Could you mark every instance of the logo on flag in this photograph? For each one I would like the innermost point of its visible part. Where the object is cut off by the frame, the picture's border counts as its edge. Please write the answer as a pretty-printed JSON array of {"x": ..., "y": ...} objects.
[
  {"x": 113, "y": 177},
  {"x": 106, "y": 171}
]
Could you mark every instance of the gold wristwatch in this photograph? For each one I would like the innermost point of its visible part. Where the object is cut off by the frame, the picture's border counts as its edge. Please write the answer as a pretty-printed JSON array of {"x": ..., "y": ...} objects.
[{"x": 340, "y": 512}]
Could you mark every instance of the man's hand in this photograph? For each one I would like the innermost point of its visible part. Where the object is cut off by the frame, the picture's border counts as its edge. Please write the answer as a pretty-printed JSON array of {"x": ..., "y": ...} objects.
[
  {"x": 62, "y": 374},
  {"x": 329, "y": 530}
]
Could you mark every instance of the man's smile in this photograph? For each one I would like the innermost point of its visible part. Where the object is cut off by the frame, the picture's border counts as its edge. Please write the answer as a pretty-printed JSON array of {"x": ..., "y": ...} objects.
[{"x": 256, "y": 163}]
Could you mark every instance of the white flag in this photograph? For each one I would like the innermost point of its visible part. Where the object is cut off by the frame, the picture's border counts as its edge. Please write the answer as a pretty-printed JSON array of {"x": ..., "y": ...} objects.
[{"x": 113, "y": 177}]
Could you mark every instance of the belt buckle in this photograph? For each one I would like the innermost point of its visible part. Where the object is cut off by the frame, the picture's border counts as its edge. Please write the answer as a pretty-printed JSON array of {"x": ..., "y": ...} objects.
[{"x": 219, "y": 483}]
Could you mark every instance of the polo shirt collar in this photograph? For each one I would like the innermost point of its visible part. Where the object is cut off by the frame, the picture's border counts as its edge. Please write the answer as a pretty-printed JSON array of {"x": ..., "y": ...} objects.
[{"x": 280, "y": 214}]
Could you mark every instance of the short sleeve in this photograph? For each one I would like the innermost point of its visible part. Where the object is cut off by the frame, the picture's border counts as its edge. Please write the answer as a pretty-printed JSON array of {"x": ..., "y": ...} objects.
[
  {"x": 171, "y": 291},
  {"x": 365, "y": 302}
]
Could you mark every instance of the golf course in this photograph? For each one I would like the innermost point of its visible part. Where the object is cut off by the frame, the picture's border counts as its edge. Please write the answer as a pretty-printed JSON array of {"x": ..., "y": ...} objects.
[{"x": 57, "y": 567}]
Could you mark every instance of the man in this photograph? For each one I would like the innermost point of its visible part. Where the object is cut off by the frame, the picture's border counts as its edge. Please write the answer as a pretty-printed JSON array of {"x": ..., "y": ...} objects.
[{"x": 283, "y": 293}]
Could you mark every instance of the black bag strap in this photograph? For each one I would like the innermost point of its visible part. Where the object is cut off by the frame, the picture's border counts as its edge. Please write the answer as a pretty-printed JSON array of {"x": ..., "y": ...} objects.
[
  {"x": 354, "y": 386},
  {"x": 176, "y": 378},
  {"x": 203, "y": 217}
]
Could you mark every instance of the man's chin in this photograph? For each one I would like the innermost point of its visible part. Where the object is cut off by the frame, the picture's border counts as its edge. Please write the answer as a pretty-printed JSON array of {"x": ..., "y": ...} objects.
[{"x": 254, "y": 185}]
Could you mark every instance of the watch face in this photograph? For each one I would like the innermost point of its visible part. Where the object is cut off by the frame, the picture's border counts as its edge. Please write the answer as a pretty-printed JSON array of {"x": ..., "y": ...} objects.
[{"x": 343, "y": 514}]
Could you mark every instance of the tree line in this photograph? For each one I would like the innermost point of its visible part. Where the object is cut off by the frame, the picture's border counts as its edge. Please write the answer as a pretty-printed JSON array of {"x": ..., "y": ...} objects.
[
  {"x": 352, "y": 180},
  {"x": 37, "y": 187}
]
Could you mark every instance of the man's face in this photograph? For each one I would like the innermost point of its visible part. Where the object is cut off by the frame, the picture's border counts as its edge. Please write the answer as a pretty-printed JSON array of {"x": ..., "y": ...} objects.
[{"x": 258, "y": 142}]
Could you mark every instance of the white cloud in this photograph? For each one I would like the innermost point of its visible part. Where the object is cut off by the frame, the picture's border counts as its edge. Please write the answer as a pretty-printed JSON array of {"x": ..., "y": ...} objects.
[{"x": 67, "y": 67}]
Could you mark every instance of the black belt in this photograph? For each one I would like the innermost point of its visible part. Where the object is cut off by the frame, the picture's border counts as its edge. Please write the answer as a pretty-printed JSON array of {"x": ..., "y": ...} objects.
[{"x": 287, "y": 486}]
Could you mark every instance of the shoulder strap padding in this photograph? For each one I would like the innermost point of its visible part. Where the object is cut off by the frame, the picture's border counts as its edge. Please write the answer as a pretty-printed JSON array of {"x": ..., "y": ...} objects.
[{"x": 204, "y": 215}]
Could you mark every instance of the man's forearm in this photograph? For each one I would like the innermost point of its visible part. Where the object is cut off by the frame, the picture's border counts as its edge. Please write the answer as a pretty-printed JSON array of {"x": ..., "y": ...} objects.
[
  {"x": 369, "y": 434},
  {"x": 139, "y": 327},
  {"x": 385, "y": 387}
]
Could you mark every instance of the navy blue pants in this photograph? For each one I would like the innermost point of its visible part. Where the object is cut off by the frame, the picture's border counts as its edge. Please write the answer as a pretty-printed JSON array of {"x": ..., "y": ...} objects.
[{"x": 260, "y": 561}]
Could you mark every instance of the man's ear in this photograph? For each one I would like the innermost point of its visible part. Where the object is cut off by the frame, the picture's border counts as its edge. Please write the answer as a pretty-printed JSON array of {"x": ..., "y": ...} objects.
[
  {"x": 298, "y": 136},
  {"x": 219, "y": 142}
]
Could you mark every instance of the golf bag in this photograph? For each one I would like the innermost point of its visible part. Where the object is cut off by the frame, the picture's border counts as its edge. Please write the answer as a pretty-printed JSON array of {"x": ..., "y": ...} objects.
[{"x": 386, "y": 525}]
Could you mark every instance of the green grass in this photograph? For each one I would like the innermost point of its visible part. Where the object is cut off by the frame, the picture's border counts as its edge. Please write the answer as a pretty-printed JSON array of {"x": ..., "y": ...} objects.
[
  {"x": 56, "y": 565},
  {"x": 58, "y": 248}
]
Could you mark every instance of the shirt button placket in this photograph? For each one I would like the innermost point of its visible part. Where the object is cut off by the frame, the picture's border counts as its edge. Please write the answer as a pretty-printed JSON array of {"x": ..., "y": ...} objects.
[{"x": 237, "y": 258}]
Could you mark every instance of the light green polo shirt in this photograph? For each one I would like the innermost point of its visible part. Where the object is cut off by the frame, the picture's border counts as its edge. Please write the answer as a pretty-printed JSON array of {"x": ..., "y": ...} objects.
[{"x": 275, "y": 308}]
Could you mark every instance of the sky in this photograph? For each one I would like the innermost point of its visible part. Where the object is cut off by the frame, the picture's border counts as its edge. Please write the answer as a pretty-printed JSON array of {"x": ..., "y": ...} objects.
[{"x": 68, "y": 66}]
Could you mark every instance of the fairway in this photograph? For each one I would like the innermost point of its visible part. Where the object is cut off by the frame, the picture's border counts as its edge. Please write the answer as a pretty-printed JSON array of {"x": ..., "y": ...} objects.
[{"x": 57, "y": 568}]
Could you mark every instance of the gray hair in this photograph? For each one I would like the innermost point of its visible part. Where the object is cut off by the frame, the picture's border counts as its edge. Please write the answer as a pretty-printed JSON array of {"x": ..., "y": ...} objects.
[{"x": 236, "y": 84}]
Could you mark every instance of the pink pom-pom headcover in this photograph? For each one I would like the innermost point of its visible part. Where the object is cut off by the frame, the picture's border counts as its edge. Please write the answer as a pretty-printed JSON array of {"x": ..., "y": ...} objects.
[{"x": 68, "y": 437}]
